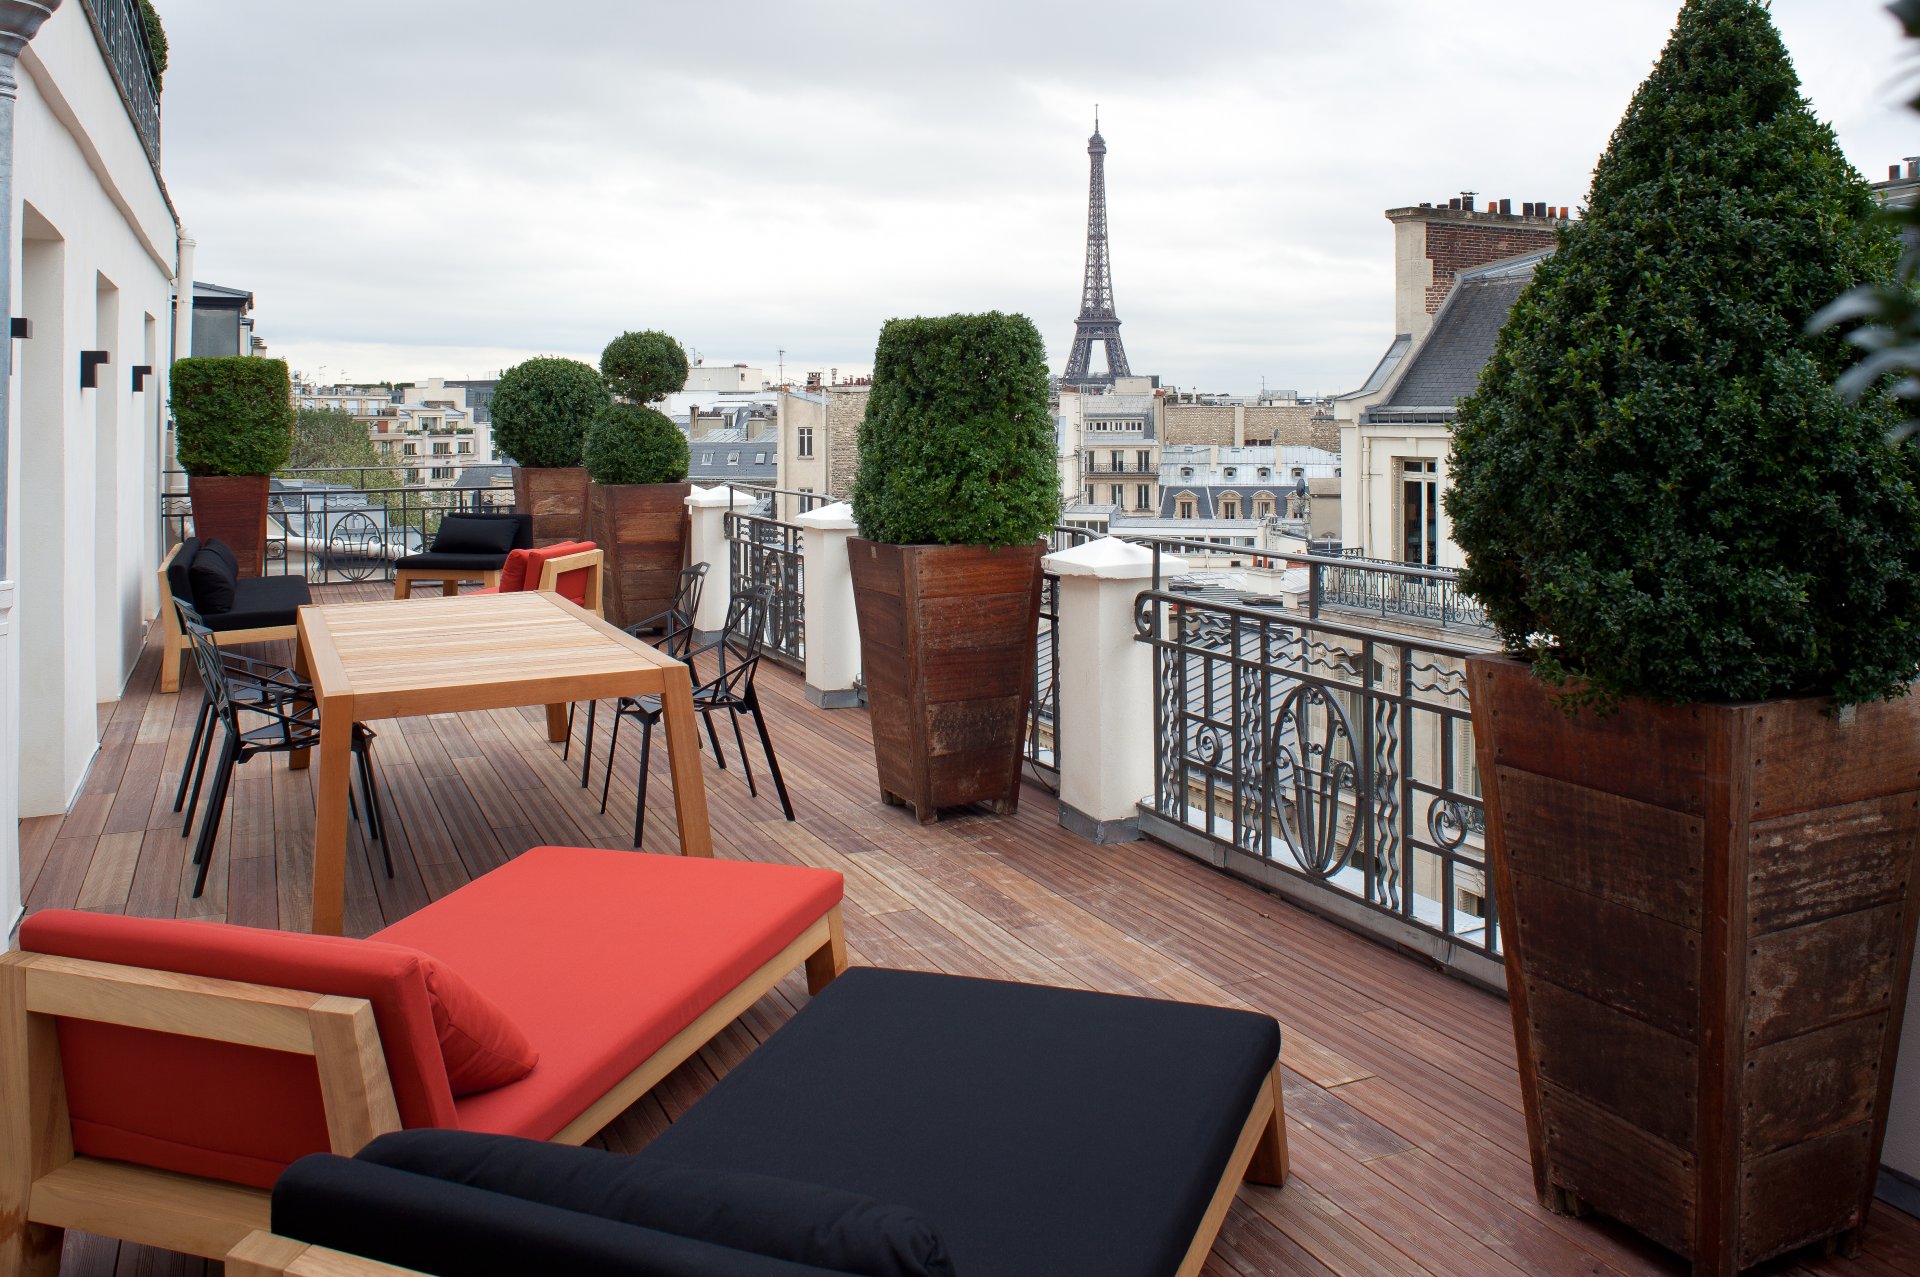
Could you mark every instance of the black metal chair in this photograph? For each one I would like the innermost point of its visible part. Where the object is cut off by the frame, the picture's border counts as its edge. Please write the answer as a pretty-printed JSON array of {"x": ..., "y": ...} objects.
[
  {"x": 737, "y": 655},
  {"x": 290, "y": 717},
  {"x": 676, "y": 638}
]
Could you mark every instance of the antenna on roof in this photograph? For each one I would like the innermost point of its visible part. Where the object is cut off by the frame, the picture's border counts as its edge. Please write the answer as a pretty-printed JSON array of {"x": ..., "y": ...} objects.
[{"x": 1096, "y": 117}]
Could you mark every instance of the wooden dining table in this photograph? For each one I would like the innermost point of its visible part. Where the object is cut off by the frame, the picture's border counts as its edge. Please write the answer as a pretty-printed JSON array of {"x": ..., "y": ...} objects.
[{"x": 408, "y": 657}]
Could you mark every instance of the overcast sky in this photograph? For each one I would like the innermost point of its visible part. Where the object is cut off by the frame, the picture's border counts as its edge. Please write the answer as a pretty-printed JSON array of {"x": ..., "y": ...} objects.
[{"x": 420, "y": 187}]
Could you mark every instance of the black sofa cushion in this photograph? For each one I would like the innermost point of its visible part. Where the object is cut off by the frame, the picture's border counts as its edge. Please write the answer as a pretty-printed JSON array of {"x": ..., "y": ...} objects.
[
  {"x": 453, "y": 562},
  {"x": 224, "y": 552},
  {"x": 1043, "y": 1131},
  {"x": 179, "y": 583},
  {"x": 262, "y": 601},
  {"x": 213, "y": 581},
  {"x": 800, "y": 1222},
  {"x": 418, "y": 1222},
  {"x": 474, "y": 534}
]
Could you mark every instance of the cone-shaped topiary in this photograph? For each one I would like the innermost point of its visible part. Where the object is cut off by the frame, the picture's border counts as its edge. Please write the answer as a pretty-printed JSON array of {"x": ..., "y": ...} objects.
[
  {"x": 1654, "y": 471},
  {"x": 630, "y": 444},
  {"x": 232, "y": 414},
  {"x": 542, "y": 407},
  {"x": 643, "y": 367},
  {"x": 957, "y": 444}
]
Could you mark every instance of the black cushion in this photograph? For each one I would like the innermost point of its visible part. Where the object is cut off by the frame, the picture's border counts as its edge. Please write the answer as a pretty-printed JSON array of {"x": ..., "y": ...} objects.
[
  {"x": 214, "y": 582},
  {"x": 418, "y": 1222},
  {"x": 1043, "y": 1131},
  {"x": 801, "y": 1222},
  {"x": 474, "y": 534},
  {"x": 262, "y": 601},
  {"x": 435, "y": 560},
  {"x": 178, "y": 580},
  {"x": 215, "y": 546}
]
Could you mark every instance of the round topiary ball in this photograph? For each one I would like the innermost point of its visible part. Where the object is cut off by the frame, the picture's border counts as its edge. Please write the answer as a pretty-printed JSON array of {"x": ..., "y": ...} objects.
[
  {"x": 542, "y": 407},
  {"x": 630, "y": 444},
  {"x": 643, "y": 367}
]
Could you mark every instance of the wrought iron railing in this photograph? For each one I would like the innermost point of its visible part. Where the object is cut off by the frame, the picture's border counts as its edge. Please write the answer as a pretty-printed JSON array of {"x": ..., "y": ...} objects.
[
  {"x": 1043, "y": 719},
  {"x": 1331, "y": 762},
  {"x": 1400, "y": 591},
  {"x": 343, "y": 525},
  {"x": 763, "y": 550},
  {"x": 122, "y": 36}
]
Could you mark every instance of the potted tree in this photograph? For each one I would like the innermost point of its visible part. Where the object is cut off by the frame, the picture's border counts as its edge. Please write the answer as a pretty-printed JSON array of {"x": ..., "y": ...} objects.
[
  {"x": 955, "y": 486},
  {"x": 637, "y": 461},
  {"x": 541, "y": 410},
  {"x": 1700, "y": 762},
  {"x": 233, "y": 422}
]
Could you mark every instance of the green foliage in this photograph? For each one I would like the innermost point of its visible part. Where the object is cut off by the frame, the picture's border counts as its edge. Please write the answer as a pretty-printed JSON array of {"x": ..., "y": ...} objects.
[
  {"x": 630, "y": 444},
  {"x": 957, "y": 445},
  {"x": 331, "y": 447},
  {"x": 156, "y": 40},
  {"x": 542, "y": 407},
  {"x": 643, "y": 367},
  {"x": 1654, "y": 483},
  {"x": 232, "y": 415}
]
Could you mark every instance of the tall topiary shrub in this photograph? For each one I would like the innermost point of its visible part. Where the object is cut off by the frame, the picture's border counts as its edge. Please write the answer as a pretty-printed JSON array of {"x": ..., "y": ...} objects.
[
  {"x": 232, "y": 415},
  {"x": 630, "y": 444},
  {"x": 645, "y": 366},
  {"x": 957, "y": 444},
  {"x": 542, "y": 407},
  {"x": 1654, "y": 483}
]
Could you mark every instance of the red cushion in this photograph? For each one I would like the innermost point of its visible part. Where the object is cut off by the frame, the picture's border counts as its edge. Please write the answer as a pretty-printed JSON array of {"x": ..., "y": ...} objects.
[
  {"x": 612, "y": 953},
  {"x": 481, "y": 1046},
  {"x": 242, "y": 1113},
  {"x": 513, "y": 575},
  {"x": 570, "y": 585}
]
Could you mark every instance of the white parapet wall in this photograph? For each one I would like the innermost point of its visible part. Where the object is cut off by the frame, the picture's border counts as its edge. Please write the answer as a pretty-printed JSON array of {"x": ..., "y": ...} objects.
[{"x": 833, "y": 628}]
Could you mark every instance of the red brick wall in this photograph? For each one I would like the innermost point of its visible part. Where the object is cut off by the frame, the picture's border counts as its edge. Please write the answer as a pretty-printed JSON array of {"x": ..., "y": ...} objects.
[{"x": 1456, "y": 246}]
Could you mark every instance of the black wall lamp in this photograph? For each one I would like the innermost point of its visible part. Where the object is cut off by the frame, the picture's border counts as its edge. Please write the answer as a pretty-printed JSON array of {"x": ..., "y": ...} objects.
[
  {"x": 22, "y": 327},
  {"x": 90, "y": 361},
  {"x": 140, "y": 374}
]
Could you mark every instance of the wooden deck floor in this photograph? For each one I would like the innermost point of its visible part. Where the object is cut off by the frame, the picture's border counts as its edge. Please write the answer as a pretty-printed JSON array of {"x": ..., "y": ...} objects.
[{"x": 1409, "y": 1149}]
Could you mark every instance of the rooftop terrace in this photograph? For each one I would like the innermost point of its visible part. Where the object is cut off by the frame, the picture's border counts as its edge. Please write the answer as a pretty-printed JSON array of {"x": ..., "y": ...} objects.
[{"x": 1408, "y": 1143}]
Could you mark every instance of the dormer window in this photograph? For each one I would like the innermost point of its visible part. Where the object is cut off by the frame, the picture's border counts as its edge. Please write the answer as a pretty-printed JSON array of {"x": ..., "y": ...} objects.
[{"x": 1228, "y": 472}]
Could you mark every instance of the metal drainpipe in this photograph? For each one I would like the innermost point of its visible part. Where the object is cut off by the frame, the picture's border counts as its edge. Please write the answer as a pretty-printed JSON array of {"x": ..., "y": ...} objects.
[{"x": 19, "y": 19}]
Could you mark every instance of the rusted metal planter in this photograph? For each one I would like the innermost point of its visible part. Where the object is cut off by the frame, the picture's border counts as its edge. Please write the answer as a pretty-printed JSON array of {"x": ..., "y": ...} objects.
[
  {"x": 642, "y": 528},
  {"x": 556, "y": 497},
  {"x": 1708, "y": 917},
  {"x": 232, "y": 509},
  {"x": 947, "y": 651}
]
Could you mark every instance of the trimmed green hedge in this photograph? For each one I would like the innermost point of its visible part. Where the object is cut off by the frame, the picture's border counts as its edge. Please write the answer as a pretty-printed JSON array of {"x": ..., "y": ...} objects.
[
  {"x": 542, "y": 407},
  {"x": 232, "y": 415},
  {"x": 630, "y": 444},
  {"x": 1657, "y": 489},
  {"x": 642, "y": 367},
  {"x": 957, "y": 446}
]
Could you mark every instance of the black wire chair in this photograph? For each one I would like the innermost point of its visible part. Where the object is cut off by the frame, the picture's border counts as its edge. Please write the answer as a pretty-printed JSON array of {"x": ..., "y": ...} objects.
[
  {"x": 737, "y": 657},
  {"x": 290, "y": 720},
  {"x": 676, "y": 639}
]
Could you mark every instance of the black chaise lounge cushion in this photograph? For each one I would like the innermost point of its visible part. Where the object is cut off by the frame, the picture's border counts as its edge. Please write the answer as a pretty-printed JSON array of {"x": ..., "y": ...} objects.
[
  {"x": 451, "y": 1230},
  {"x": 474, "y": 534},
  {"x": 1045, "y": 1132},
  {"x": 260, "y": 602}
]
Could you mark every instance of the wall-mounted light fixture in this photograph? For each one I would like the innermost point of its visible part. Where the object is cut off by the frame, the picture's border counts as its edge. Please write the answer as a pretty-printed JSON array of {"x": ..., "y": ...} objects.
[
  {"x": 22, "y": 327},
  {"x": 140, "y": 374},
  {"x": 90, "y": 361}
]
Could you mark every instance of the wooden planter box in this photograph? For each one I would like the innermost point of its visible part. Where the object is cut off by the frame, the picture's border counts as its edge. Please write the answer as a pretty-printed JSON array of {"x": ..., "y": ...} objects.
[
  {"x": 643, "y": 529},
  {"x": 232, "y": 509},
  {"x": 947, "y": 649},
  {"x": 556, "y": 497},
  {"x": 1708, "y": 916}
]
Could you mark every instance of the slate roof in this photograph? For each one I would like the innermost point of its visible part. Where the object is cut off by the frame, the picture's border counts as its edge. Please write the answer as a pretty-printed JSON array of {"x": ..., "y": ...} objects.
[{"x": 1446, "y": 367}]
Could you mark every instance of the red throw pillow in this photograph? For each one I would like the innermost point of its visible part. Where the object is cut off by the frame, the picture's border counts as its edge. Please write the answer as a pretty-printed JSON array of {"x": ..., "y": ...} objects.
[
  {"x": 571, "y": 586},
  {"x": 481, "y": 1046},
  {"x": 513, "y": 575}
]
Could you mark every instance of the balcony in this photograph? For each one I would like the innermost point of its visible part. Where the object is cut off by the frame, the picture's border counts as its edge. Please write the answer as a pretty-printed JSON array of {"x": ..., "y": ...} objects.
[
  {"x": 1409, "y": 1148},
  {"x": 122, "y": 35}
]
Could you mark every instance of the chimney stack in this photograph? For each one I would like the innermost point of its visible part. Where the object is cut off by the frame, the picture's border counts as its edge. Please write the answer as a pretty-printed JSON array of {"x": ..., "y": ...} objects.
[
  {"x": 1454, "y": 203},
  {"x": 1913, "y": 167},
  {"x": 1893, "y": 172},
  {"x": 1506, "y": 208},
  {"x": 1466, "y": 200}
]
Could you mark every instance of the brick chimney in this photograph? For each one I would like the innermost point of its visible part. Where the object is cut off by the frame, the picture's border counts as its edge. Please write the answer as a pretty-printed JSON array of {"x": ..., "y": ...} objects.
[{"x": 1432, "y": 245}]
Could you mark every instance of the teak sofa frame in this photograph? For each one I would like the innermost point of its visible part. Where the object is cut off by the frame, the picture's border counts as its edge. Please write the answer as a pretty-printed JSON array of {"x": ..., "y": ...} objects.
[
  {"x": 592, "y": 560},
  {"x": 46, "y": 1188},
  {"x": 174, "y": 653}
]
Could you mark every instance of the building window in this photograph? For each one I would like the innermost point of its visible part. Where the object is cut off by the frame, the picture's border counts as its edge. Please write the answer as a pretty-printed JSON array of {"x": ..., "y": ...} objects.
[
  {"x": 1263, "y": 507},
  {"x": 1186, "y": 472},
  {"x": 1186, "y": 509},
  {"x": 1229, "y": 507},
  {"x": 1119, "y": 461},
  {"x": 1144, "y": 459},
  {"x": 1228, "y": 472},
  {"x": 759, "y": 458},
  {"x": 733, "y": 458},
  {"x": 1420, "y": 513},
  {"x": 1299, "y": 472},
  {"x": 1142, "y": 496},
  {"x": 706, "y": 458},
  {"x": 1089, "y": 494},
  {"x": 805, "y": 438},
  {"x": 1119, "y": 495},
  {"x": 1266, "y": 473}
]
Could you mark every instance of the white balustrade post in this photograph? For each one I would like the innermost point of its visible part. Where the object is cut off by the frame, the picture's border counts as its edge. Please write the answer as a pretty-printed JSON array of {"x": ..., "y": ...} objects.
[
  {"x": 707, "y": 508},
  {"x": 1103, "y": 687},
  {"x": 833, "y": 628}
]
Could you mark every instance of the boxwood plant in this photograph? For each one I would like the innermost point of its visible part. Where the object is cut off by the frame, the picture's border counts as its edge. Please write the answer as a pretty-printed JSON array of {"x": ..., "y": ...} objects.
[
  {"x": 1656, "y": 487},
  {"x": 645, "y": 366},
  {"x": 232, "y": 415},
  {"x": 542, "y": 407},
  {"x": 957, "y": 445},
  {"x": 628, "y": 443}
]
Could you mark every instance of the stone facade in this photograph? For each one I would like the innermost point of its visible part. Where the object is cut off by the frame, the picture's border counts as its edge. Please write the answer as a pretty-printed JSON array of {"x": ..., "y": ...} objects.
[
  {"x": 846, "y": 406},
  {"x": 1433, "y": 244},
  {"x": 1234, "y": 425}
]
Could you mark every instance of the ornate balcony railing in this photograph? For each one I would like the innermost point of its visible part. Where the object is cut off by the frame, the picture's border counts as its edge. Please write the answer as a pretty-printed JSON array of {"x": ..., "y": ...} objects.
[
  {"x": 1043, "y": 720},
  {"x": 761, "y": 549},
  {"x": 1393, "y": 590},
  {"x": 1332, "y": 763},
  {"x": 343, "y": 525},
  {"x": 122, "y": 36}
]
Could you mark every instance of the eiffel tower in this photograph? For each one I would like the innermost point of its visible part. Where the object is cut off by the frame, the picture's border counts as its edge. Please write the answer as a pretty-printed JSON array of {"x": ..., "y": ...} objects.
[{"x": 1097, "y": 322}]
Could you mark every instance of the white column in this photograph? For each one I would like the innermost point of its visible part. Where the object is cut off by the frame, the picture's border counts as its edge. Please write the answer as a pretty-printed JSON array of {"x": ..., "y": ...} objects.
[
  {"x": 707, "y": 510},
  {"x": 1103, "y": 714},
  {"x": 833, "y": 629}
]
